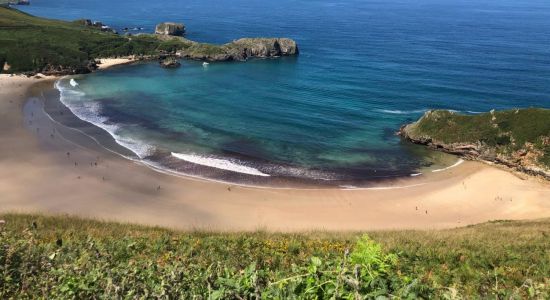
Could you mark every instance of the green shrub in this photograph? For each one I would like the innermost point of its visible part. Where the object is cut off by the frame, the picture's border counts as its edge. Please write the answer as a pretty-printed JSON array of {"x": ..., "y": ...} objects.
[{"x": 30, "y": 43}]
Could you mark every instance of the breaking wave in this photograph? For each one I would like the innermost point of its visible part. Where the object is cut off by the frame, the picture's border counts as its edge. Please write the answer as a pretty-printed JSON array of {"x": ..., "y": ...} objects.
[
  {"x": 401, "y": 112},
  {"x": 90, "y": 111},
  {"x": 219, "y": 163},
  {"x": 460, "y": 161}
]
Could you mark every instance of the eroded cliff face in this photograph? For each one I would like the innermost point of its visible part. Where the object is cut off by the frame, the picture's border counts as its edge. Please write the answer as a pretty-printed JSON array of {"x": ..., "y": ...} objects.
[
  {"x": 487, "y": 137},
  {"x": 265, "y": 47},
  {"x": 59, "y": 70}
]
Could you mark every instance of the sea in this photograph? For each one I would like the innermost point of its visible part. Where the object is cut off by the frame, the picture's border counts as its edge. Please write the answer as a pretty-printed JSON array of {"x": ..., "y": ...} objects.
[{"x": 327, "y": 116}]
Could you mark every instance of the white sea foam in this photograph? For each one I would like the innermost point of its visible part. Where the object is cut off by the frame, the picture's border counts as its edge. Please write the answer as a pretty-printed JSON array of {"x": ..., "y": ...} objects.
[
  {"x": 401, "y": 112},
  {"x": 89, "y": 111},
  {"x": 417, "y": 111},
  {"x": 218, "y": 163},
  {"x": 300, "y": 172},
  {"x": 376, "y": 188},
  {"x": 447, "y": 168},
  {"x": 415, "y": 174},
  {"x": 348, "y": 186},
  {"x": 73, "y": 82}
]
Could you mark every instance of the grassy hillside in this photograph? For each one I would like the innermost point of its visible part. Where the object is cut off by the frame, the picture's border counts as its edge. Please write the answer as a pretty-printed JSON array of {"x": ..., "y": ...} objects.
[
  {"x": 519, "y": 136},
  {"x": 31, "y": 44},
  {"x": 63, "y": 257}
]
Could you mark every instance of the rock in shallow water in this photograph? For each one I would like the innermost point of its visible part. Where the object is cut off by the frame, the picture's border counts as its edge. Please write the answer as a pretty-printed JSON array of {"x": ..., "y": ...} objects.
[
  {"x": 169, "y": 28},
  {"x": 170, "y": 62}
]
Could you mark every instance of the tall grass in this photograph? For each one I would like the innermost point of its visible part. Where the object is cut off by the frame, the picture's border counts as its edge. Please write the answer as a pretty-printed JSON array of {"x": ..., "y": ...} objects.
[{"x": 64, "y": 257}]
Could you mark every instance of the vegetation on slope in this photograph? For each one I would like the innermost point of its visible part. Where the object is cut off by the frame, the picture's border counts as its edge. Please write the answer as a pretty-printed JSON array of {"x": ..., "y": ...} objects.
[
  {"x": 518, "y": 138},
  {"x": 31, "y": 44},
  {"x": 64, "y": 257}
]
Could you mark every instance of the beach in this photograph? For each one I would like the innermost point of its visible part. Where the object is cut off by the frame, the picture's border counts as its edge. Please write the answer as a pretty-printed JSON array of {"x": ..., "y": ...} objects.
[
  {"x": 47, "y": 168},
  {"x": 111, "y": 62}
]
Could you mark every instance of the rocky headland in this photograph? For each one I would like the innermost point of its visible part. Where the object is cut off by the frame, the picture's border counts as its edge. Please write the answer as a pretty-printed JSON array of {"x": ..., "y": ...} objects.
[
  {"x": 239, "y": 50},
  {"x": 518, "y": 139},
  {"x": 65, "y": 48}
]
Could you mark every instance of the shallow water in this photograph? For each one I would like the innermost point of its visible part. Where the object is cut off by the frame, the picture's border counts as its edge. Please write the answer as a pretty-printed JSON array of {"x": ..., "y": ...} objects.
[{"x": 329, "y": 115}]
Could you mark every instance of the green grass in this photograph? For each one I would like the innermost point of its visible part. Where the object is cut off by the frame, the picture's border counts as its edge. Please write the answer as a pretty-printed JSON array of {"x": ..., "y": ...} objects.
[
  {"x": 505, "y": 131},
  {"x": 64, "y": 257},
  {"x": 31, "y": 44}
]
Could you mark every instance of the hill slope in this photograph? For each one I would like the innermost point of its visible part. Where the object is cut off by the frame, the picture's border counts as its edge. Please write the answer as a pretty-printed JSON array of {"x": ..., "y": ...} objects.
[
  {"x": 31, "y": 44},
  {"x": 63, "y": 257}
]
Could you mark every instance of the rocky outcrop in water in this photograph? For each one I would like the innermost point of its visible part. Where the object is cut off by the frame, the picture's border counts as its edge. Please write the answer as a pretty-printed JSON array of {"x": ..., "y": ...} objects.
[
  {"x": 241, "y": 49},
  {"x": 169, "y": 63},
  {"x": 170, "y": 28},
  {"x": 95, "y": 24}
]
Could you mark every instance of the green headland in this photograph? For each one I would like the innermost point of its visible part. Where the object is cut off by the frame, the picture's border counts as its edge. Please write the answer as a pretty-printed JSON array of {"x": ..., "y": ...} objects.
[
  {"x": 517, "y": 138},
  {"x": 30, "y": 44}
]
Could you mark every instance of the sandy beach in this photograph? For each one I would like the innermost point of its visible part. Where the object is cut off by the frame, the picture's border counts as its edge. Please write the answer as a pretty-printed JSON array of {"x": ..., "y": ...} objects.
[
  {"x": 48, "y": 168},
  {"x": 105, "y": 63}
]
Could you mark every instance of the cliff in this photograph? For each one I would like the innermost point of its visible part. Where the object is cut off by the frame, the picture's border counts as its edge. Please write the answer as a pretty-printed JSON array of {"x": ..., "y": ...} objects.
[
  {"x": 170, "y": 28},
  {"x": 518, "y": 139},
  {"x": 239, "y": 50}
]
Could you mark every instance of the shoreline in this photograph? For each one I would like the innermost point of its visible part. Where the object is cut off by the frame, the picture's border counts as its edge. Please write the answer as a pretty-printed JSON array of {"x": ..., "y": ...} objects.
[
  {"x": 38, "y": 176},
  {"x": 106, "y": 63},
  {"x": 113, "y": 62},
  {"x": 207, "y": 168},
  {"x": 110, "y": 142}
]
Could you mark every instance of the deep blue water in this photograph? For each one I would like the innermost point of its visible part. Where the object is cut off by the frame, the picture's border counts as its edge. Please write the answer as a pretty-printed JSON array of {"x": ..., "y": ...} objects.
[{"x": 365, "y": 68}]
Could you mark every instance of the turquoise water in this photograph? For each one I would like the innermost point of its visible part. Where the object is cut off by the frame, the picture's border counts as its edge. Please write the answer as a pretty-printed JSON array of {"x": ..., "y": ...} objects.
[{"x": 328, "y": 115}]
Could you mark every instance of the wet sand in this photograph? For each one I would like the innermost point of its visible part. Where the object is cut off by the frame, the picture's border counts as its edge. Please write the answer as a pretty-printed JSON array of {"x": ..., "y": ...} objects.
[{"x": 48, "y": 168}]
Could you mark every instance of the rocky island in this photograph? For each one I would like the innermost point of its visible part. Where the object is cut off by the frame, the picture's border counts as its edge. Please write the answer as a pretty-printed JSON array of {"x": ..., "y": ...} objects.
[
  {"x": 170, "y": 28},
  {"x": 55, "y": 47},
  {"x": 518, "y": 138},
  {"x": 238, "y": 50},
  {"x": 169, "y": 62}
]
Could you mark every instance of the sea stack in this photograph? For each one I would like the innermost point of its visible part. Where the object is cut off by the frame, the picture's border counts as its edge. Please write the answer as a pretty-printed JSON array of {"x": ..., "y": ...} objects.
[
  {"x": 170, "y": 63},
  {"x": 266, "y": 47},
  {"x": 169, "y": 28}
]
